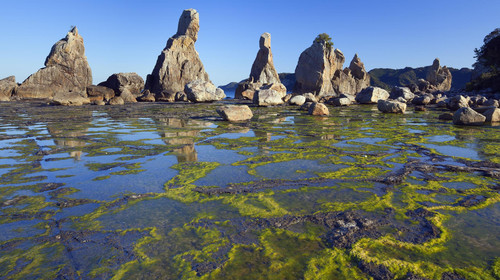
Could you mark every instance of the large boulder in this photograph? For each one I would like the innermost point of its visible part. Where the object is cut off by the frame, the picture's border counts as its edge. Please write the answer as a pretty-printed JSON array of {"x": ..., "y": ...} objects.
[
  {"x": 66, "y": 70},
  {"x": 316, "y": 67},
  {"x": 119, "y": 82},
  {"x": 351, "y": 80},
  {"x": 467, "y": 116},
  {"x": 235, "y": 113},
  {"x": 371, "y": 95},
  {"x": 270, "y": 95},
  {"x": 179, "y": 62},
  {"x": 492, "y": 115},
  {"x": 387, "y": 106},
  {"x": 8, "y": 87},
  {"x": 440, "y": 77},
  {"x": 203, "y": 91}
]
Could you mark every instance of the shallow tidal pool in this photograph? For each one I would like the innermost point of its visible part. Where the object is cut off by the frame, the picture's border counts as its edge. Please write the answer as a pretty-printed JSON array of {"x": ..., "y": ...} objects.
[{"x": 171, "y": 191}]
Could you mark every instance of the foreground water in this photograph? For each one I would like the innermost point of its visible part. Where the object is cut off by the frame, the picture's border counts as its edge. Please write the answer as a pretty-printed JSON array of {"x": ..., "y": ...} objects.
[{"x": 163, "y": 191}]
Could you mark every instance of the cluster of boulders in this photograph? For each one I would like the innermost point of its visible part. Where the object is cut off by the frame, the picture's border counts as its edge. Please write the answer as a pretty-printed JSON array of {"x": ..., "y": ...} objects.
[{"x": 66, "y": 78}]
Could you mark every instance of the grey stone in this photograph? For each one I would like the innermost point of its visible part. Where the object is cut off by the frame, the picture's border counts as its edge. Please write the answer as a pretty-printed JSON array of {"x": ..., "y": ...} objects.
[
  {"x": 402, "y": 92},
  {"x": 467, "y": 116},
  {"x": 439, "y": 77},
  {"x": 318, "y": 109},
  {"x": 298, "y": 100},
  {"x": 120, "y": 82},
  {"x": 203, "y": 91},
  {"x": 386, "y": 106},
  {"x": 8, "y": 87},
  {"x": 66, "y": 70},
  {"x": 492, "y": 115},
  {"x": 372, "y": 95}
]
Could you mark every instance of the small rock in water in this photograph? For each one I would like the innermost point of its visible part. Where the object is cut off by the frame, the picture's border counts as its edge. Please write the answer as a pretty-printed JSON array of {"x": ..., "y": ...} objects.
[
  {"x": 298, "y": 100},
  {"x": 235, "y": 113},
  {"x": 420, "y": 108},
  {"x": 492, "y": 115},
  {"x": 446, "y": 116},
  {"x": 318, "y": 109},
  {"x": 387, "y": 106}
]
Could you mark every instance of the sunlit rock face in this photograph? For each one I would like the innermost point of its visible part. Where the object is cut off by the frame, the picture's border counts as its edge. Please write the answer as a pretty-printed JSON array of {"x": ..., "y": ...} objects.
[{"x": 66, "y": 70}]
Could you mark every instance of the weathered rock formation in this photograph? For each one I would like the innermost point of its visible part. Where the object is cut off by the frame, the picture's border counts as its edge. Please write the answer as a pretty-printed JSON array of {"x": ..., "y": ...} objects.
[
  {"x": 316, "y": 67},
  {"x": 262, "y": 73},
  {"x": 179, "y": 63},
  {"x": 203, "y": 91},
  {"x": 100, "y": 93},
  {"x": 440, "y": 77},
  {"x": 270, "y": 95},
  {"x": 353, "y": 79},
  {"x": 66, "y": 70},
  {"x": 8, "y": 87},
  {"x": 319, "y": 71},
  {"x": 263, "y": 70}
]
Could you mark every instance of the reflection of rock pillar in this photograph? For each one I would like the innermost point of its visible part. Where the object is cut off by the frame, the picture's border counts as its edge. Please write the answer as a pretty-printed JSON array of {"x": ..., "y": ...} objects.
[
  {"x": 181, "y": 137},
  {"x": 73, "y": 141}
]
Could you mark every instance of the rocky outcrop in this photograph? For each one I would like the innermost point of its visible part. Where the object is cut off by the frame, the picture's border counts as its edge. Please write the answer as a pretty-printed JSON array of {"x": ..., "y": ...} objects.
[
  {"x": 492, "y": 115},
  {"x": 457, "y": 102},
  {"x": 316, "y": 67},
  {"x": 179, "y": 63},
  {"x": 262, "y": 73},
  {"x": 351, "y": 80},
  {"x": 120, "y": 82},
  {"x": 372, "y": 95},
  {"x": 203, "y": 91},
  {"x": 391, "y": 106},
  {"x": 401, "y": 92},
  {"x": 319, "y": 71},
  {"x": 263, "y": 70},
  {"x": 8, "y": 87},
  {"x": 467, "y": 116},
  {"x": 70, "y": 99},
  {"x": 440, "y": 77},
  {"x": 234, "y": 113},
  {"x": 66, "y": 70}
]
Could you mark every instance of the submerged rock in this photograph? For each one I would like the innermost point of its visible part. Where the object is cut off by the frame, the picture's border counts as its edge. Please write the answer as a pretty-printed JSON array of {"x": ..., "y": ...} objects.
[
  {"x": 66, "y": 70},
  {"x": 179, "y": 63},
  {"x": 8, "y": 87},
  {"x": 234, "y": 113},
  {"x": 372, "y": 95},
  {"x": 467, "y": 116},
  {"x": 386, "y": 106}
]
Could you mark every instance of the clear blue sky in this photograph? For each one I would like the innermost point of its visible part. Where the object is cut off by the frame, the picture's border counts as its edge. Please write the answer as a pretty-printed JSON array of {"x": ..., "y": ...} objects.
[{"x": 127, "y": 36}]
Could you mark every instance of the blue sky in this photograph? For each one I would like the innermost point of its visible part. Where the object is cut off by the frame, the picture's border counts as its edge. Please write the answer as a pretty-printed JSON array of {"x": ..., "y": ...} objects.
[{"x": 128, "y": 36}]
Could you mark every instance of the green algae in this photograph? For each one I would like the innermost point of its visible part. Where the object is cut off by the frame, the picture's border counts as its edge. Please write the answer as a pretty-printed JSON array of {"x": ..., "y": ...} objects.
[{"x": 358, "y": 144}]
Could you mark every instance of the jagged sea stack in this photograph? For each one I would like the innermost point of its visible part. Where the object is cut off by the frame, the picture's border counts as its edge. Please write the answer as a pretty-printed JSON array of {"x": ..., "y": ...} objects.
[
  {"x": 179, "y": 63},
  {"x": 319, "y": 71},
  {"x": 316, "y": 67},
  {"x": 66, "y": 70},
  {"x": 440, "y": 77},
  {"x": 262, "y": 73}
]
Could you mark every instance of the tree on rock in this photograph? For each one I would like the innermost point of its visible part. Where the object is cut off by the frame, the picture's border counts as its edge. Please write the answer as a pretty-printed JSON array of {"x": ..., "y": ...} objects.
[
  {"x": 323, "y": 37},
  {"x": 486, "y": 72}
]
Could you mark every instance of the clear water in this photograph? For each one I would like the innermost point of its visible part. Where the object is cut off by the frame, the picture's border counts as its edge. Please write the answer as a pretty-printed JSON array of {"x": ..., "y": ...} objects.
[{"x": 164, "y": 191}]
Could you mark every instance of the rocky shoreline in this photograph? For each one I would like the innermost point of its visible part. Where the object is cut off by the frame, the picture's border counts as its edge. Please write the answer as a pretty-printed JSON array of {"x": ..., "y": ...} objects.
[{"x": 179, "y": 76}]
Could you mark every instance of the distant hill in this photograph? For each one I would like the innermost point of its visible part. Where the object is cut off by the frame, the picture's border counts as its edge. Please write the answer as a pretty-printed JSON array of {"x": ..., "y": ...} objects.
[
  {"x": 229, "y": 87},
  {"x": 388, "y": 78}
]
